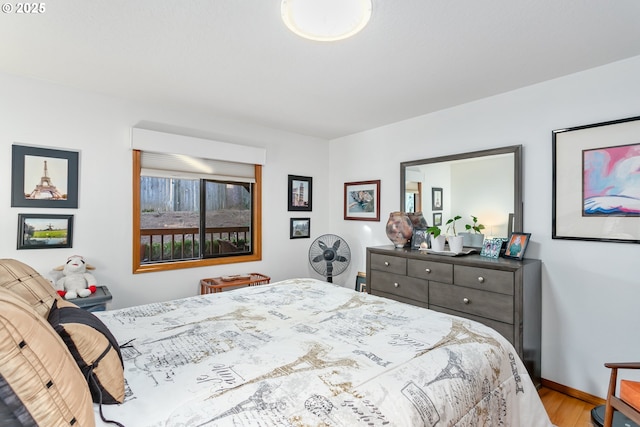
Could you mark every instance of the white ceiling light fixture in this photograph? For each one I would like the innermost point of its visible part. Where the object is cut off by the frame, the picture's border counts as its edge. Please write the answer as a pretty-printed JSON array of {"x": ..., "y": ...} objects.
[{"x": 326, "y": 20}]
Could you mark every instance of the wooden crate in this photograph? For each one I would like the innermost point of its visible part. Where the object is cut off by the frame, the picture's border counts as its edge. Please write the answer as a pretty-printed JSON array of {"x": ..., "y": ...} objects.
[{"x": 213, "y": 285}]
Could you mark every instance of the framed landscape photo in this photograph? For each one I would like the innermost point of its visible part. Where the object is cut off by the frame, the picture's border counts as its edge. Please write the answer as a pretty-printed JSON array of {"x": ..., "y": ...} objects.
[
  {"x": 436, "y": 198},
  {"x": 362, "y": 200},
  {"x": 596, "y": 195},
  {"x": 43, "y": 177},
  {"x": 437, "y": 219},
  {"x": 300, "y": 228},
  {"x": 43, "y": 231},
  {"x": 300, "y": 189},
  {"x": 516, "y": 245}
]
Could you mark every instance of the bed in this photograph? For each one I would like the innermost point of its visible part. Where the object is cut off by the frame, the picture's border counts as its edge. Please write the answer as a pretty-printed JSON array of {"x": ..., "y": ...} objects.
[{"x": 303, "y": 352}]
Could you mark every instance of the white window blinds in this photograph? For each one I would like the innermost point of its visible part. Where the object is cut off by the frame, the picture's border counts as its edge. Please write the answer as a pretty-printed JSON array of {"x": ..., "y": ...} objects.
[
  {"x": 177, "y": 156},
  {"x": 164, "y": 165}
]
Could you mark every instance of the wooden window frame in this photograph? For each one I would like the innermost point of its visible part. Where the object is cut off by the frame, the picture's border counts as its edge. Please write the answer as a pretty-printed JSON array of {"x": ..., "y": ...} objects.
[{"x": 256, "y": 232}]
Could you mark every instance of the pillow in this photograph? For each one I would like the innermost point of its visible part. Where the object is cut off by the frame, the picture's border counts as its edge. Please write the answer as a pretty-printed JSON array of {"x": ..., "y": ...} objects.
[
  {"x": 23, "y": 280},
  {"x": 94, "y": 349},
  {"x": 40, "y": 383}
]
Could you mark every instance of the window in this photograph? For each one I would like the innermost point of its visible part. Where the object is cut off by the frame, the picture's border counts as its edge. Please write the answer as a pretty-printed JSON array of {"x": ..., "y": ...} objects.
[{"x": 191, "y": 212}]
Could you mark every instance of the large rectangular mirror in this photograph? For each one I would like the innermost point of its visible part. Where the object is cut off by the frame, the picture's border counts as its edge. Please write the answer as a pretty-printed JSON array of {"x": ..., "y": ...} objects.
[{"x": 486, "y": 184}]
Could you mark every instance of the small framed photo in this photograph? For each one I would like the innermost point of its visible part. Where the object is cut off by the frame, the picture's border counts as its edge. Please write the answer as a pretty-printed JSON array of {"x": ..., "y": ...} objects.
[
  {"x": 43, "y": 178},
  {"x": 42, "y": 231},
  {"x": 420, "y": 239},
  {"x": 300, "y": 228},
  {"x": 436, "y": 198},
  {"x": 361, "y": 282},
  {"x": 437, "y": 219},
  {"x": 300, "y": 189},
  {"x": 362, "y": 200},
  {"x": 516, "y": 245},
  {"x": 486, "y": 248},
  {"x": 496, "y": 247},
  {"x": 491, "y": 248}
]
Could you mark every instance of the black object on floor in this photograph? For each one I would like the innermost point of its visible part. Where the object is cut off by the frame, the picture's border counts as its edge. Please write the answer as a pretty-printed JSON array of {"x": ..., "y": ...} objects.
[{"x": 619, "y": 420}]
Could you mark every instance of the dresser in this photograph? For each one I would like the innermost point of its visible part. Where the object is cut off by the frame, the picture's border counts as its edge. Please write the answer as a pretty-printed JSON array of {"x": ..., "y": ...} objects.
[{"x": 502, "y": 293}]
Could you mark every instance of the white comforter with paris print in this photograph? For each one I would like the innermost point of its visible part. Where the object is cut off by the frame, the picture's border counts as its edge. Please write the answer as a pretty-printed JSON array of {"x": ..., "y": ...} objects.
[{"x": 304, "y": 352}]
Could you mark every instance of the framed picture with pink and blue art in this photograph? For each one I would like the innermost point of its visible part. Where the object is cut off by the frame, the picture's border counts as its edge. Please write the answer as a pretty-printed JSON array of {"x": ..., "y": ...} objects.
[{"x": 596, "y": 194}]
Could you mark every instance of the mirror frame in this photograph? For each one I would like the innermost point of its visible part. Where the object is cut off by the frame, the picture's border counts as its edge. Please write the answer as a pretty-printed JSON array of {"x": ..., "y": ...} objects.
[{"x": 516, "y": 150}]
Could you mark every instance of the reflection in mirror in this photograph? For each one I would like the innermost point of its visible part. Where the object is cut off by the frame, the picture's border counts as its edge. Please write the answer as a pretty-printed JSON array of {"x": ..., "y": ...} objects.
[{"x": 484, "y": 184}]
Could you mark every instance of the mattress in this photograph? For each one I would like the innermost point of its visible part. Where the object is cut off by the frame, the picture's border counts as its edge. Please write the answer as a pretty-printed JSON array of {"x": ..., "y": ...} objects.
[{"x": 303, "y": 352}]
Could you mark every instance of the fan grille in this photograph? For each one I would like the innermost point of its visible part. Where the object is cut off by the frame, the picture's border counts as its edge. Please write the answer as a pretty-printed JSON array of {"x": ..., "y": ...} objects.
[{"x": 329, "y": 255}]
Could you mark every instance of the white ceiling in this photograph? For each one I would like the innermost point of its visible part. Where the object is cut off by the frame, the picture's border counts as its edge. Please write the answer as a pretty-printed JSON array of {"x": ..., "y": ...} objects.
[{"x": 235, "y": 59}]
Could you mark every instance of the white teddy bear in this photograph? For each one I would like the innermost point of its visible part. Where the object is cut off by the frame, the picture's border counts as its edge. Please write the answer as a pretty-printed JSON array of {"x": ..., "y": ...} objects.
[{"x": 75, "y": 281}]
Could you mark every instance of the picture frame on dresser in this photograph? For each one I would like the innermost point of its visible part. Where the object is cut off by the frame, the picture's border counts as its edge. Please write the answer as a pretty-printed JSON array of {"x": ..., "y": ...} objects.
[
  {"x": 491, "y": 247},
  {"x": 517, "y": 245},
  {"x": 420, "y": 239}
]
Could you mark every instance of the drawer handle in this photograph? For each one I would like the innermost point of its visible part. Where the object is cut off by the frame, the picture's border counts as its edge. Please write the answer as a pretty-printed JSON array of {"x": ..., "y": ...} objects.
[
  {"x": 481, "y": 279},
  {"x": 428, "y": 270},
  {"x": 386, "y": 263},
  {"x": 396, "y": 285},
  {"x": 466, "y": 300}
]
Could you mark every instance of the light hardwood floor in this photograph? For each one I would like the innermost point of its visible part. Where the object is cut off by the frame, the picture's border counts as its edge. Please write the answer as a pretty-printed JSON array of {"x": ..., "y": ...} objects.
[{"x": 564, "y": 410}]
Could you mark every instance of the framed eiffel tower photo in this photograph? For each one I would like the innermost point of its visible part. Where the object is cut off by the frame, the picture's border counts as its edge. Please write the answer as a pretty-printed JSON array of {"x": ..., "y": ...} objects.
[{"x": 44, "y": 177}]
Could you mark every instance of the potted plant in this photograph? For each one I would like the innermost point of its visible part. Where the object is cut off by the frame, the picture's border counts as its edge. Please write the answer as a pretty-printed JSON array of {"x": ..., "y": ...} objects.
[
  {"x": 476, "y": 238},
  {"x": 437, "y": 238},
  {"x": 455, "y": 241}
]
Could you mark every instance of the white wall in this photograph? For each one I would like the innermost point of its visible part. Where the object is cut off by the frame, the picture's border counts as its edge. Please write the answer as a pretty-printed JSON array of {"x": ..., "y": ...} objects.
[
  {"x": 37, "y": 113},
  {"x": 590, "y": 289}
]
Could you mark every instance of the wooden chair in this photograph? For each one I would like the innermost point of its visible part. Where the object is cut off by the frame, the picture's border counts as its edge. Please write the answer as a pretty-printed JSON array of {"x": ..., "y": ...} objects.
[{"x": 614, "y": 403}]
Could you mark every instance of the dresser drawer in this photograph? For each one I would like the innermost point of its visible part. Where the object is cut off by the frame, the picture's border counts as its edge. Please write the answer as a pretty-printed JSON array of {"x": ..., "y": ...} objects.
[
  {"x": 407, "y": 287},
  {"x": 430, "y": 270},
  {"x": 484, "y": 278},
  {"x": 390, "y": 264},
  {"x": 490, "y": 305}
]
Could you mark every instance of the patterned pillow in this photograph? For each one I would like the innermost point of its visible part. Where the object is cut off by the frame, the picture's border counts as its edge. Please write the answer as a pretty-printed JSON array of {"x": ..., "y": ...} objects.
[
  {"x": 40, "y": 383},
  {"x": 23, "y": 280},
  {"x": 94, "y": 348}
]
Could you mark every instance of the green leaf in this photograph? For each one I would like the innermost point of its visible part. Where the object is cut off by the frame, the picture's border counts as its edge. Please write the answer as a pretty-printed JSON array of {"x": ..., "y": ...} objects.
[{"x": 435, "y": 230}]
